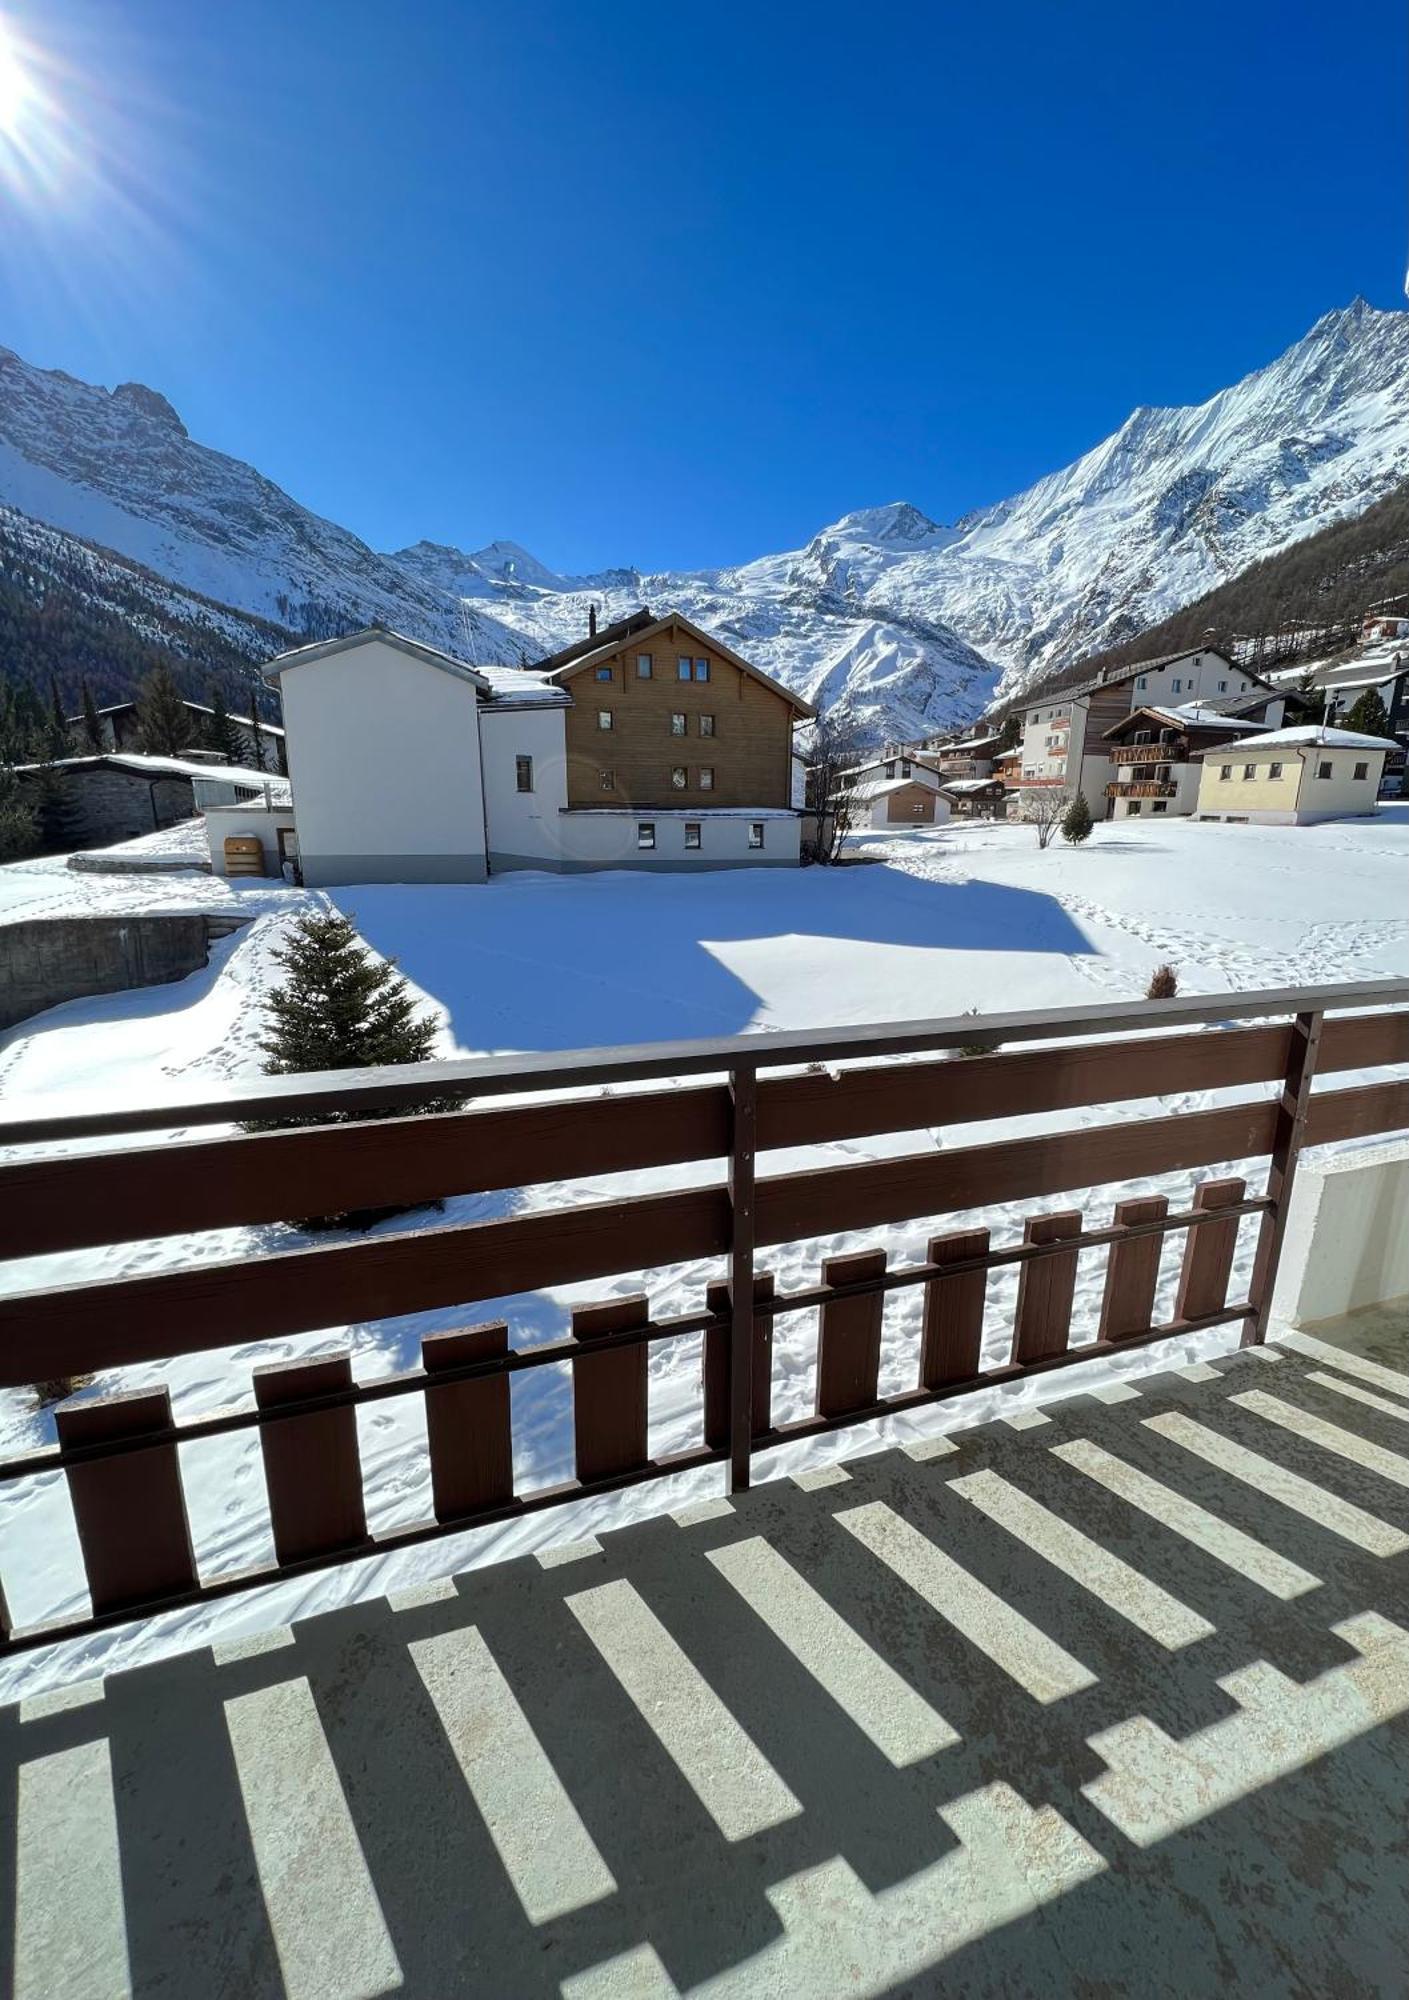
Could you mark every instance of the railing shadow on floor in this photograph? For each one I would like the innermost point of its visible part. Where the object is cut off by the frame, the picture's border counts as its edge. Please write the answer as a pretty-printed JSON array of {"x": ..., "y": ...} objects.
[{"x": 971, "y": 1707}]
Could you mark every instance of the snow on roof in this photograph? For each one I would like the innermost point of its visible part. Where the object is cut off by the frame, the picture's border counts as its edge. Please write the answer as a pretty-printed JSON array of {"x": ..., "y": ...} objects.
[
  {"x": 1321, "y": 738},
  {"x": 970, "y": 743},
  {"x": 971, "y": 785},
  {"x": 881, "y": 790},
  {"x": 145, "y": 765},
  {"x": 523, "y": 684}
]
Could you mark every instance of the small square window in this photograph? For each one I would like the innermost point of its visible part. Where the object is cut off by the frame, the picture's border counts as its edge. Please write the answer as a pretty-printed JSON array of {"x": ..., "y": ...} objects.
[
  {"x": 706, "y": 725},
  {"x": 755, "y": 833},
  {"x": 1274, "y": 770},
  {"x": 1223, "y": 687},
  {"x": 677, "y": 777},
  {"x": 1249, "y": 771},
  {"x": 645, "y": 666},
  {"x": 604, "y": 673},
  {"x": 523, "y": 773},
  {"x": 905, "y": 767},
  {"x": 1225, "y": 771},
  {"x": 1159, "y": 805},
  {"x": 684, "y": 669},
  {"x": 677, "y": 723},
  {"x": 692, "y": 833},
  {"x": 706, "y": 778},
  {"x": 1324, "y": 770},
  {"x": 645, "y": 833},
  {"x": 606, "y": 780},
  {"x": 1177, "y": 685},
  {"x": 702, "y": 670},
  {"x": 604, "y": 718},
  {"x": 890, "y": 768},
  {"x": 1362, "y": 770}
]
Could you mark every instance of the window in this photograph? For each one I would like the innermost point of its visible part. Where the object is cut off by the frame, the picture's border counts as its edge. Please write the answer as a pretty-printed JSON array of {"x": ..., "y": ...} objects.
[
  {"x": 1362, "y": 770},
  {"x": 1324, "y": 770},
  {"x": 905, "y": 767},
  {"x": 1176, "y": 685},
  {"x": 645, "y": 666},
  {"x": 755, "y": 833},
  {"x": 1142, "y": 682},
  {"x": 1223, "y": 687},
  {"x": 706, "y": 725},
  {"x": 604, "y": 718},
  {"x": 1274, "y": 770},
  {"x": 692, "y": 833},
  {"x": 890, "y": 768},
  {"x": 1159, "y": 806},
  {"x": 1133, "y": 808},
  {"x": 1225, "y": 771},
  {"x": 706, "y": 778},
  {"x": 607, "y": 780},
  {"x": 1249, "y": 771},
  {"x": 677, "y": 777},
  {"x": 645, "y": 833},
  {"x": 702, "y": 670},
  {"x": 1142, "y": 736},
  {"x": 684, "y": 669},
  {"x": 604, "y": 673},
  {"x": 677, "y": 723},
  {"x": 523, "y": 773}
]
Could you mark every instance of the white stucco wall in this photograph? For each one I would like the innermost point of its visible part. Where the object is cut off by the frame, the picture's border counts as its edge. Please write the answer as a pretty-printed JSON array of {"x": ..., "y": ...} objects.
[
  {"x": 609, "y": 840},
  {"x": 525, "y": 828},
  {"x": 1347, "y": 1240},
  {"x": 384, "y": 755},
  {"x": 1201, "y": 677}
]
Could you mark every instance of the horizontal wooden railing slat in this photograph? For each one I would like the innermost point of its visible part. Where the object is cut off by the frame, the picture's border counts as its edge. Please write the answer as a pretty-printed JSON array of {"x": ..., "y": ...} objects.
[
  {"x": 76, "y": 1329},
  {"x": 131, "y": 1192}
]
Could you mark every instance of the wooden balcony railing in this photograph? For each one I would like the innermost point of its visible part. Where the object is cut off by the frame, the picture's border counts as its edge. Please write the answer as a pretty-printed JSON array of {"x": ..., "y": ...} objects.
[
  {"x": 1142, "y": 788},
  {"x": 119, "y": 1454},
  {"x": 1174, "y": 750}
]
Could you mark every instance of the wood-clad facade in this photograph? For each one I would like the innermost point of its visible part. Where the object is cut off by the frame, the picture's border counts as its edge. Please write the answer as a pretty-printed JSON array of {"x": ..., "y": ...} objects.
[{"x": 720, "y": 738}]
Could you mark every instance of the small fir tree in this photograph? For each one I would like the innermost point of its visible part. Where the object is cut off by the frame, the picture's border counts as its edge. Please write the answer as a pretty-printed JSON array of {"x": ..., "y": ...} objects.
[
  {"x": 220, "y": 731},
  {"x": 1076, "y": 821},
  {"x": 163, "y": 724},
  {"x": 92, "y": 722},
  {"x": 1368, "y": 714},
  {"x": 338, "y": 1007},
  {"x": 256, "y": 737},
  {"x": 59, "y": 741}
]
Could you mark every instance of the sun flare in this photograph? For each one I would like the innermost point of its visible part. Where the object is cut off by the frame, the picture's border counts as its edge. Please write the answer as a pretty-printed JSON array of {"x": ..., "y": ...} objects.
[{"x": 17, "y": 89}]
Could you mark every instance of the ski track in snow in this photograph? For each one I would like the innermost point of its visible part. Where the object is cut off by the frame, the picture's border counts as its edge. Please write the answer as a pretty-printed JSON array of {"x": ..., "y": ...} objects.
[{"x": 1232, "y": 908}]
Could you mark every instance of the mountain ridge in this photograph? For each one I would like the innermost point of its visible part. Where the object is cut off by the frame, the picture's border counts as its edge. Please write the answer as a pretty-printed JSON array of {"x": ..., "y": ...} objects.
[{"x": 901, "y": 623}]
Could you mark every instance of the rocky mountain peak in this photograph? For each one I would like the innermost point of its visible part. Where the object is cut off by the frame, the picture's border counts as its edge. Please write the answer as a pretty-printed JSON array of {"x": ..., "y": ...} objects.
[{"x": 151, "y": 403}]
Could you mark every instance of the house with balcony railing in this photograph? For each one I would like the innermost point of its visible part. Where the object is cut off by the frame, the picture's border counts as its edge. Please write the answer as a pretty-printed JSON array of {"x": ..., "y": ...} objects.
[
  {"x": 1156, "y": 757},
  {"x": 857, "y": 1706}
]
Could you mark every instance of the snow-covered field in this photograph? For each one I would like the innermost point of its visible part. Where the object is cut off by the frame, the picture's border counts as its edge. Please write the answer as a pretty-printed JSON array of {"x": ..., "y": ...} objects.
[{"x": 965, "y": 916}]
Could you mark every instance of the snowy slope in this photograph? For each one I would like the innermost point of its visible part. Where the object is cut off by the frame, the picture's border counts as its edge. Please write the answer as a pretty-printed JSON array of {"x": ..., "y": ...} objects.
[{"x": 896, "y": 621}]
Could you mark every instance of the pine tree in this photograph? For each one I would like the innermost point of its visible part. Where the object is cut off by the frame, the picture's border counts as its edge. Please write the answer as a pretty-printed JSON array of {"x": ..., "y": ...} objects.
[
  {"x": 338, "y": 1007},
  {"x": 256, "y": 737},
  {"x": 1076, "y": 820},
  {"x": 58, "y": 742},
  {"x": 19, "y": 831},
  {"x": 163, "y": 722},
  {"x": 92, "y": 722},
  {"x": 220, "y": 731},
  {"x": 1011, "y": 731},
  {"x": 1368, "y": 714}
]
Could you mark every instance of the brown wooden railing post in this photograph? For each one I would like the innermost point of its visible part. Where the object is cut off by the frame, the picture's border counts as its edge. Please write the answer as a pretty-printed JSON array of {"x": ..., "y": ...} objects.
[
  {"x": 743, "y": 1091},
  {"x": 1286, "y": 1149}
]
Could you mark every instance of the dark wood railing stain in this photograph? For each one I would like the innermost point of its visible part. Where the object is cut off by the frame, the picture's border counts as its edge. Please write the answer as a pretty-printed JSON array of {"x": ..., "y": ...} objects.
[{"x": 119, "y": 1453}]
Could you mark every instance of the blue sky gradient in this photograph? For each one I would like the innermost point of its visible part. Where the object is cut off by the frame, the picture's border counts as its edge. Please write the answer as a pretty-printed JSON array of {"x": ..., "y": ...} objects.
[{"x": 673, "y": 287}]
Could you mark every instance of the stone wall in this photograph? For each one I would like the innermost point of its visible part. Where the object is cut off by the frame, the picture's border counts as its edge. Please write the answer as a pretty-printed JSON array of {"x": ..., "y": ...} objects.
[{"x": 54, "y": 959}]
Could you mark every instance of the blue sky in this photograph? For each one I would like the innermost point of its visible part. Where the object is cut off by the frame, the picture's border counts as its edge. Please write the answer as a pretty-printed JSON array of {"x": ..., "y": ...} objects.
[{"x": 677, "y": 286}]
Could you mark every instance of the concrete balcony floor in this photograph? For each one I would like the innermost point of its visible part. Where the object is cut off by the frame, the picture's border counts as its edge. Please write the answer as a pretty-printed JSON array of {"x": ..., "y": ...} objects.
[{"x": 1108, "y": 1699}]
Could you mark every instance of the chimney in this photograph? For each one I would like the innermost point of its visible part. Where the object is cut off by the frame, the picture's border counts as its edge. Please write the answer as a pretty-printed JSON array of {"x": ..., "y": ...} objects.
[{"x": 591, "y": 621}]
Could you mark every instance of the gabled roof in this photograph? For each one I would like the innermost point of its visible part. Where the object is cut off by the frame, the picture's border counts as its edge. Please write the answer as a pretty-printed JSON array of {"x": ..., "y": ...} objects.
[
  {"x": 609, "y": 641},
  {"x": 1189, "y": 720},
  {"x": 1316, "y": 737},
  {"x": 324, "y": 649},
  {"x": 1038, "y": 697},
  {"x": 200, "y": 707},
  {"x": 607, "y": 637}
]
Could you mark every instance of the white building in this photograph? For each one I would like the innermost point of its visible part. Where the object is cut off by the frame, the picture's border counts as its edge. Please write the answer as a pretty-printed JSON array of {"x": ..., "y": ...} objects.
[
  {"x": 408, "y": 765},
  {"x": 1063, "y": 742}
]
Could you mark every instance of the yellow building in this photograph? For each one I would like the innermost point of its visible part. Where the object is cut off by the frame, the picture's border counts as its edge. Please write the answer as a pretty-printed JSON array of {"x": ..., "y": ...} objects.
[{"x": 1293, "y": 777}]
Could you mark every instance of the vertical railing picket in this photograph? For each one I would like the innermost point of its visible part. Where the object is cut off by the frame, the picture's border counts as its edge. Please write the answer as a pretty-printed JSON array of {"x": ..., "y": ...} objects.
[
  {"x": 743, "y": 1149},
  {"x": 1132, "y": 1271},
  {"x": 129, "y": 1507},
  {"x": 609, "y": 1390},
  {"x": 312, "y": 1467},
  {"x": 1046, "y": 1289},
  {"x": 468, "y": 1424},
  {"x": 1208, "y": 1252},
  {"x": 849, "y": 1336},
  {"x": 1292, "y": 1108},
  {"x": 953, "y": 1327}
]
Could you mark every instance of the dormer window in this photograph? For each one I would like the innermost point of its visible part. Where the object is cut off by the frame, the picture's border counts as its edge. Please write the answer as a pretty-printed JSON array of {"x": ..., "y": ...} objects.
[{"x": 604, "y": 673}]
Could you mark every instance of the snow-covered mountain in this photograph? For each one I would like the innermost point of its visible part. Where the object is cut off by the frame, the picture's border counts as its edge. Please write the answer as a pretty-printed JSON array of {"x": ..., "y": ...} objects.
[{"x": 896, "y": 621}]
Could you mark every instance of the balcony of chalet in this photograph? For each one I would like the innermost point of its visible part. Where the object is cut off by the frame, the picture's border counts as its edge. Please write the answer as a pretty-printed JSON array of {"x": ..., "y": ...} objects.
[{"x": 1105, "y": 1690}]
